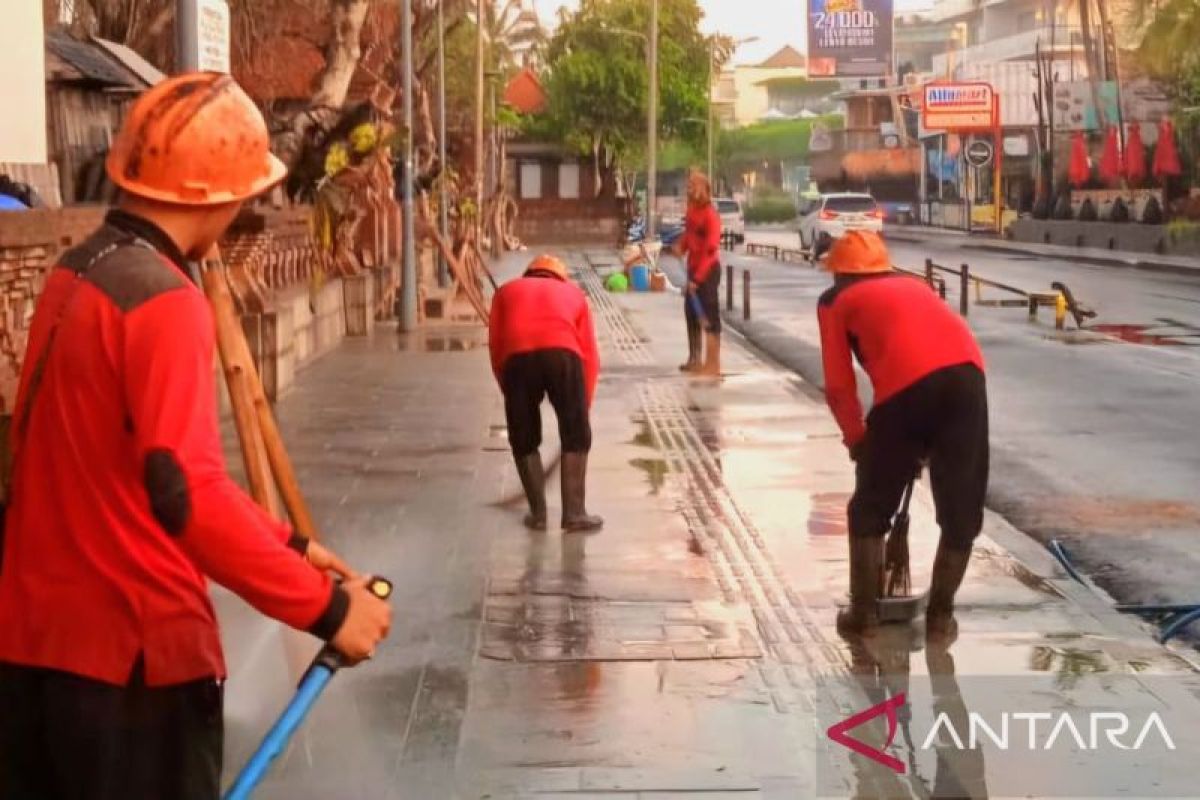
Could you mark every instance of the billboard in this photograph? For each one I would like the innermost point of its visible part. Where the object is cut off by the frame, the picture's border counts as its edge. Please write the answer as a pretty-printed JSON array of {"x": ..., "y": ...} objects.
[
  {"x": 849, "y": 38},
  {"x": 958, "y": 106}
]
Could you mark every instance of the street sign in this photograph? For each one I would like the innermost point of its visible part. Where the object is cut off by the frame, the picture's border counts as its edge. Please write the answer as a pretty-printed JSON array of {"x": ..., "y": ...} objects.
[
  {"x": 959, "y": 106},
  {"x": 850, "y": 38},
  {"x": 203, "y": 27},
  {"x": 979, "y": 153}
]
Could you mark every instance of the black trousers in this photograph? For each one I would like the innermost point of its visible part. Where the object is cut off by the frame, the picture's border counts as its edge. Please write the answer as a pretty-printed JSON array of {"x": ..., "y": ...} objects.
[
  {"x": 709, "y": 294},
  {"x": 529, "y": 377},
  {"x": 942, "y": 418},
  {"x": 65, "y": 737}
]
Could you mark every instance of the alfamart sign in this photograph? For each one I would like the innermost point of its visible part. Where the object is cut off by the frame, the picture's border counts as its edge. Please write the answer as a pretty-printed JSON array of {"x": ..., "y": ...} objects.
[{"x": 959, "y": 106}]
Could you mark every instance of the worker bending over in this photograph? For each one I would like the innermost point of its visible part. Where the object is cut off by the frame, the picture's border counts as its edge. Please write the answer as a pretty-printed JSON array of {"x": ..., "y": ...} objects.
[
  {"x": 930, "y": 404},
  {"x": 542, "y": 344},
  {"x": 111, "y": 670}
]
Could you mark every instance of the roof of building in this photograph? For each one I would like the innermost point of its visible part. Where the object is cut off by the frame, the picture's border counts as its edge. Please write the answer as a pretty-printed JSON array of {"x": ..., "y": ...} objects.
[
  {"x": 89, "y": 62},
  {"x": 525, "y": 93},
  {"x": 143, "y": 69},
  {"x": 784, "y": 58}
]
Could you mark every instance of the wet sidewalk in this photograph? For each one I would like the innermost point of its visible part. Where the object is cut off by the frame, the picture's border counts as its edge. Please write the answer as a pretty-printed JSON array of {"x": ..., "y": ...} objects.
[{"x": 688, "y": 648}]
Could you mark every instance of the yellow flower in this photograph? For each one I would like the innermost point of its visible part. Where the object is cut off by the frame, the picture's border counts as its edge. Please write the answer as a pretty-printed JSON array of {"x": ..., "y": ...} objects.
[
  {"x": 337, "y": 159},
  {"x": 364, "y": 138}
]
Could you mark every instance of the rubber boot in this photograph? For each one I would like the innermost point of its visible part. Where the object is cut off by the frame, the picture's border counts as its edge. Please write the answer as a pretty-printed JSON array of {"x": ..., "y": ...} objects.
[
  {"x": 866, "y": 580},
  {"x": 574, "y": 483},
  {"x": 693, "y": 360},
  {"x": 949, "y": 567},
  {"x": 533, "y": 480},
  {"x": 712, "y": 356}
]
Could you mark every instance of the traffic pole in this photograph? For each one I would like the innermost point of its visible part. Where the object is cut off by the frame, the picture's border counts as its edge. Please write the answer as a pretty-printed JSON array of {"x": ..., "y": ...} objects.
[{"x": 408, "y": 265}]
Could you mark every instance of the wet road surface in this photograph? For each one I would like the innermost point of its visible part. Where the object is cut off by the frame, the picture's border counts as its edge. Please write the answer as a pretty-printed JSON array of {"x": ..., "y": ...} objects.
[
  {"x": 1095, "y": 435},
  {"x": 688, "y": 650}
]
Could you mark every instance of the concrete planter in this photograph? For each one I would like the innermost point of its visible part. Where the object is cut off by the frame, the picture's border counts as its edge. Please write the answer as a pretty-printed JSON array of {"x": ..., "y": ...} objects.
[{"x": 1130, "y": 237}]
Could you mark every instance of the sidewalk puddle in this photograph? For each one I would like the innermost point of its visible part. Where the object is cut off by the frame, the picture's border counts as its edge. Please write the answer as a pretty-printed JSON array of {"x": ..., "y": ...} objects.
[
  {"x": 656, "y": 472},
  {"x": 644, "y": 437},
  {"x": 435, "y": 342},
  {"x": 827, "y": 517}
]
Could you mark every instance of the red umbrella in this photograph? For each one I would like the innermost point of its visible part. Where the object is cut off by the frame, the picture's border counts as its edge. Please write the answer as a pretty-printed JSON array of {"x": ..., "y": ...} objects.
[
  {"x": 1166, "y": 157},
  {"x": 1110, "y": 164},
  {"x": 1135, "y": 154},
  {"x": 1079, "y": 170}
]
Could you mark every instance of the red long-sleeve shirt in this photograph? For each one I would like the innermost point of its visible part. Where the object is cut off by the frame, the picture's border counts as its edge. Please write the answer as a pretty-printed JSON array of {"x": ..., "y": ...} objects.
[
  {"x": 120, "y": 502},
  {"x": 899, "y": 330},
  {"x": 538, "y": 312},
  {"x": 702, "y": 241}
]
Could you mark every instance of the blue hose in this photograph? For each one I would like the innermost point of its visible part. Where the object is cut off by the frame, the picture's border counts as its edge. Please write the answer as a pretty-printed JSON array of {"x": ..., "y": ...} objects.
[
  {"x": 1178, "y": 624},
  {"x": 276, "y": 740},
  {"x": 1057, "y": 550}
]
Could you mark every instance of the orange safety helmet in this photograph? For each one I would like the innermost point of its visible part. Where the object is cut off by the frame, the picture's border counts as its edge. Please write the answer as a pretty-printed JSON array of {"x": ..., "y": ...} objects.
[
  {"x": 858, "y": 253},
  {"x": 548, "y": 263},
  {"x": 195, "y": 139}
]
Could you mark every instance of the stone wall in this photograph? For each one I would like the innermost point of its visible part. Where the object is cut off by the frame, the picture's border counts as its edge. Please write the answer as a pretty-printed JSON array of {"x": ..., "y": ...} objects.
[
  {"x": 545, "y": 222},
  {"x": 303, "y": 318}
]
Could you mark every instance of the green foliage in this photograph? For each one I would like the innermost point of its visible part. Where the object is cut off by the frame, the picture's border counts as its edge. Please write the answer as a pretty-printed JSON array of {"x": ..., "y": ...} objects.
[
  {"x": 597, "y": 83},
  {"x": 1169, "y": 53},
  {"x": 770, "y": 205},
  {"x": 784, "y": 140}
]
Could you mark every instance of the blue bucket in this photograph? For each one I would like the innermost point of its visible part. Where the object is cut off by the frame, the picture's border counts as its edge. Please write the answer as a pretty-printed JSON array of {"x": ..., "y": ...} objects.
[{"x": 640, "y": 278}]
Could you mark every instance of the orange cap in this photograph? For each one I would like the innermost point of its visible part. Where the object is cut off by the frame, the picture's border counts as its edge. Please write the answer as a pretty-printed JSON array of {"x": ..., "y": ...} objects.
[
  {"x": 548, "y": 263},
  {"x": 195, "y": 139},
  {"x": 858, "y": 253}
]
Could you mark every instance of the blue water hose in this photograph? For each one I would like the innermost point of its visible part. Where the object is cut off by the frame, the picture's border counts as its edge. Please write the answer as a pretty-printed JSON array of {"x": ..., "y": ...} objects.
[
  {"x": 276, "y": 740},
  {"x": 316, "y": 678}
]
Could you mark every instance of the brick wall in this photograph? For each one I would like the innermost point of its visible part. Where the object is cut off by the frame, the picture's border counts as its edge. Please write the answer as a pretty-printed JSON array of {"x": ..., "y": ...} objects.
[
  {"x": 30, "y": 241},
  {"x": 559, "y": 221}
]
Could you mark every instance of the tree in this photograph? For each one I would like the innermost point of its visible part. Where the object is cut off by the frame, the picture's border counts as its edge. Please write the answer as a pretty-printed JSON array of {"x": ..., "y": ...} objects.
[
  {"x": 597, "y": 87},
  {"x": 1168, "y": 52}
]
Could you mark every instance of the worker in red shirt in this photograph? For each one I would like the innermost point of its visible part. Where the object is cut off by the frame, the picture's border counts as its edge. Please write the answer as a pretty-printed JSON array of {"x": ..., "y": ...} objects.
[
  {"x": 119, "y": 506},
  {"x": 543, "y": 345},
  {"x": 930, "y": 405},
  {"x": 701, "y": 242}
]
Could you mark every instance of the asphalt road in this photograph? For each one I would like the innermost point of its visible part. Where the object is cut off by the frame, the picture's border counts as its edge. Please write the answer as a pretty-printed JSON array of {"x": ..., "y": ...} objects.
[{"x": 1095, "y": 438}]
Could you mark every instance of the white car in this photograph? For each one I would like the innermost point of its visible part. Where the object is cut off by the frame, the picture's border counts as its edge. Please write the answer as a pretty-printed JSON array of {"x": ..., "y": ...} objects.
[
  {"x": 733, "y": 221},
  {"x": 830, "y": 216}
]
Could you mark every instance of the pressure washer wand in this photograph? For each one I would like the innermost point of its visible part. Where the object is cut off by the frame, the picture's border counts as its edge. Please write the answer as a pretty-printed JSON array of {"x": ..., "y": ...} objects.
[{"x": 316, "y": 678}]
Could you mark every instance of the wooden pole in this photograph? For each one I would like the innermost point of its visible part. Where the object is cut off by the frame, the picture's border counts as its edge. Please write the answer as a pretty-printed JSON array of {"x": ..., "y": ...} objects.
[
  {"x": 258, "y": 474},
  {"x": 252, "y": 410}
]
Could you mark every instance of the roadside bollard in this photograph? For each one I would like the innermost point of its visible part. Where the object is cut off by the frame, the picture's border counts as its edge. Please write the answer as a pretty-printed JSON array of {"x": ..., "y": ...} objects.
[
  {"x": 964, "y": 295},
  {"x": 1033, "y": 307},
  {"x": 729, "y": 287},
  {"x": 942, "y": 288},
  {"x": 929, "y": 273},
  {"x": 1060, "y": 311},
  {"x": 746, "y": 294}
]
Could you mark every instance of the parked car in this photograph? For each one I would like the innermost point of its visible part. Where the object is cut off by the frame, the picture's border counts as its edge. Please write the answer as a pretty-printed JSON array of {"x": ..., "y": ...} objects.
[
  {"x": 733, "y": 221},
  {"x": 829, "y": 216}
]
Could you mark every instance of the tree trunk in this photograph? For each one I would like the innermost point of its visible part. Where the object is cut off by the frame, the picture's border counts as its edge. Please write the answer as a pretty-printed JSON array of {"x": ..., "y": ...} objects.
[{"x": 341, "y": 61}]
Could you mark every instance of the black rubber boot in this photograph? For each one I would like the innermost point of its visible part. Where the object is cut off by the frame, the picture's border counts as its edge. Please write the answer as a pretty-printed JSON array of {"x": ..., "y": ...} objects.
[
  {"x": 694, "y": 348},
  {"x": 866, "y": 579},
  {"x": 574, "y": 482},
  {"x": 533, "y": 480},
  {"x": 949, "y": 567}
]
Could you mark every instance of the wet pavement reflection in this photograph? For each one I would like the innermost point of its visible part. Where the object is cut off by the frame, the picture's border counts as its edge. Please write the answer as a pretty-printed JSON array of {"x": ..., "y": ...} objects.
[{"x": 687, "y": 648}]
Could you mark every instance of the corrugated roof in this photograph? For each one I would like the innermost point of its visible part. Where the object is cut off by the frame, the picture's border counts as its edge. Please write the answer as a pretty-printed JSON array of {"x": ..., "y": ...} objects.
[
  {"x": 143, "y": 69},
  {"x": 93, "y": 62}
]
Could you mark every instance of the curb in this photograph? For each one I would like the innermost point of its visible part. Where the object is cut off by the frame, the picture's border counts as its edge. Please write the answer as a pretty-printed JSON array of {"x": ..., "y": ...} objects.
[{"x": 1132, "y": 261}]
